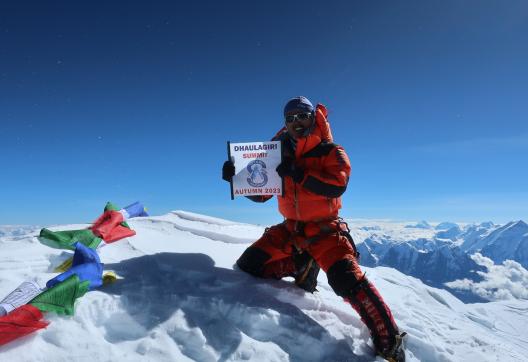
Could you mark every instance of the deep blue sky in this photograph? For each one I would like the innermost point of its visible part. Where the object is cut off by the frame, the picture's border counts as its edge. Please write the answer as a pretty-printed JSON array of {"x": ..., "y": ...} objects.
[{"x": 129, "y": 102}]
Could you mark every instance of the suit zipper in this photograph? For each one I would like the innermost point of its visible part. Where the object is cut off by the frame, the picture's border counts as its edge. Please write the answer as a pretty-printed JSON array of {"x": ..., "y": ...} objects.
[{"x": 295, "y": 201}]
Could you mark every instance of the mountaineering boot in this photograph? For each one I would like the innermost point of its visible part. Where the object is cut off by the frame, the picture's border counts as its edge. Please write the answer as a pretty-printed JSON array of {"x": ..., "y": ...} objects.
[
  {"x": 396, "y": 353},
  {"x": 306, "y": 271},
  {"x": 349, "y": 282}
]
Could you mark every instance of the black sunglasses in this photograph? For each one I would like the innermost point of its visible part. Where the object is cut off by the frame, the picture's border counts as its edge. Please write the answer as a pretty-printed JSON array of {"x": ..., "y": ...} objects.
[{"x": 299, "y": 116}]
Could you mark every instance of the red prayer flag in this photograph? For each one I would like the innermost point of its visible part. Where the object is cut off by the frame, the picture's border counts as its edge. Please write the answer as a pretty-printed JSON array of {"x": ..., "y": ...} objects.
[
  {"x": 108, "y": 227},
  {"x": 20, "y": 322}
]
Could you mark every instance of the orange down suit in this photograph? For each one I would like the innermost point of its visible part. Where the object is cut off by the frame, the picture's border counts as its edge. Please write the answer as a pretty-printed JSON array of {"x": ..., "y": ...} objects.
[{"x": 310, "y": 207}]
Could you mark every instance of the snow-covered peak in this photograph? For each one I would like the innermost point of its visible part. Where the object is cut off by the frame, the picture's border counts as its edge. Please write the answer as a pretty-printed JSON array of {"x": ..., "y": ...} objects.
[
  {"x": 507, "y": 242},
  {"x": 520, "y": 224},
  {"x": 420, "y": 225},
  {"x": 487, "y": 224},
  {"x": 446, "y": 225},
  {"x": 451, "y": 233},
  {"x": 474, "y": 236}
]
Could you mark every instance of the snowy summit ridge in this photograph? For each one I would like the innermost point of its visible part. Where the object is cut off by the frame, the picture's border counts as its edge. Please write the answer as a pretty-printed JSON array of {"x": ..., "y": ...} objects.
[{"x": 179, "y": 298}]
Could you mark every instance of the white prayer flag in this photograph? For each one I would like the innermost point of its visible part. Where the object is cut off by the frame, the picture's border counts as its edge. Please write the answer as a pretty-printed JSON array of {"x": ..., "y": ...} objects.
[{"x": 20, "y": 296}]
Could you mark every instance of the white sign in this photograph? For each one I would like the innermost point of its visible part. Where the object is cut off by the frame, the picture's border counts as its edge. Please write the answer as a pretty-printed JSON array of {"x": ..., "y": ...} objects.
[{"x": 255, "y": 164}]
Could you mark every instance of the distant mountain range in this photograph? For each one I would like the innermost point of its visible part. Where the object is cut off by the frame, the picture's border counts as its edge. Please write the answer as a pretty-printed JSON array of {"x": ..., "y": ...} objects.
[
  {"x": 440, "y": 254},
  {"x": 506, "y": 242},
  {"x": 16, "y": 230}
]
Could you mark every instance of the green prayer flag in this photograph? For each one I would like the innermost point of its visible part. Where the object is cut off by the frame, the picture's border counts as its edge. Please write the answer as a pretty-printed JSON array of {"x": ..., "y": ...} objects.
[
  {"x": 66, "y": 239},
  {"x": 61, "y": 298}
]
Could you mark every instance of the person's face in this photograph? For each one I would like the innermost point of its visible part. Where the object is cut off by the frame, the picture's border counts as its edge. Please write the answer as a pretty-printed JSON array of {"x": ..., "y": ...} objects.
[{"x": 298, "y": 123}]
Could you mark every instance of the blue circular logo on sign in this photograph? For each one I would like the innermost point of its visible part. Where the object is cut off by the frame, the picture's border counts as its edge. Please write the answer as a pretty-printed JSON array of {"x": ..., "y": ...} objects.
[{"x": 258, "y": 175}]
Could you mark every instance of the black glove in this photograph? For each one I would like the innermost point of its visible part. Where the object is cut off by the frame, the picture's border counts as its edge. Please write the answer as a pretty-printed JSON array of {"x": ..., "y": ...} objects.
[
  {"x": 288, "y": 168},
  {"x": 228, "y": 171}
]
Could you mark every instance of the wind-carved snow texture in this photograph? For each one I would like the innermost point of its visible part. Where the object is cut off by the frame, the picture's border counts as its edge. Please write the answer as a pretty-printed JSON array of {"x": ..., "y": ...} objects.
[
  {"x": 179, "y": 298},
  {"x": 209, "y": 227}
]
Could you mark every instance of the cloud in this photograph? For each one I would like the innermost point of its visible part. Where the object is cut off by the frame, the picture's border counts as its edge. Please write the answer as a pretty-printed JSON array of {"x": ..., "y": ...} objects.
[{"x": 506, "y": 281}]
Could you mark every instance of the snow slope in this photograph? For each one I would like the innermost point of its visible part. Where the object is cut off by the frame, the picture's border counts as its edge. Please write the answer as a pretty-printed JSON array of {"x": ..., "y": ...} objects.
[{"x": 180, "y": 299}]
